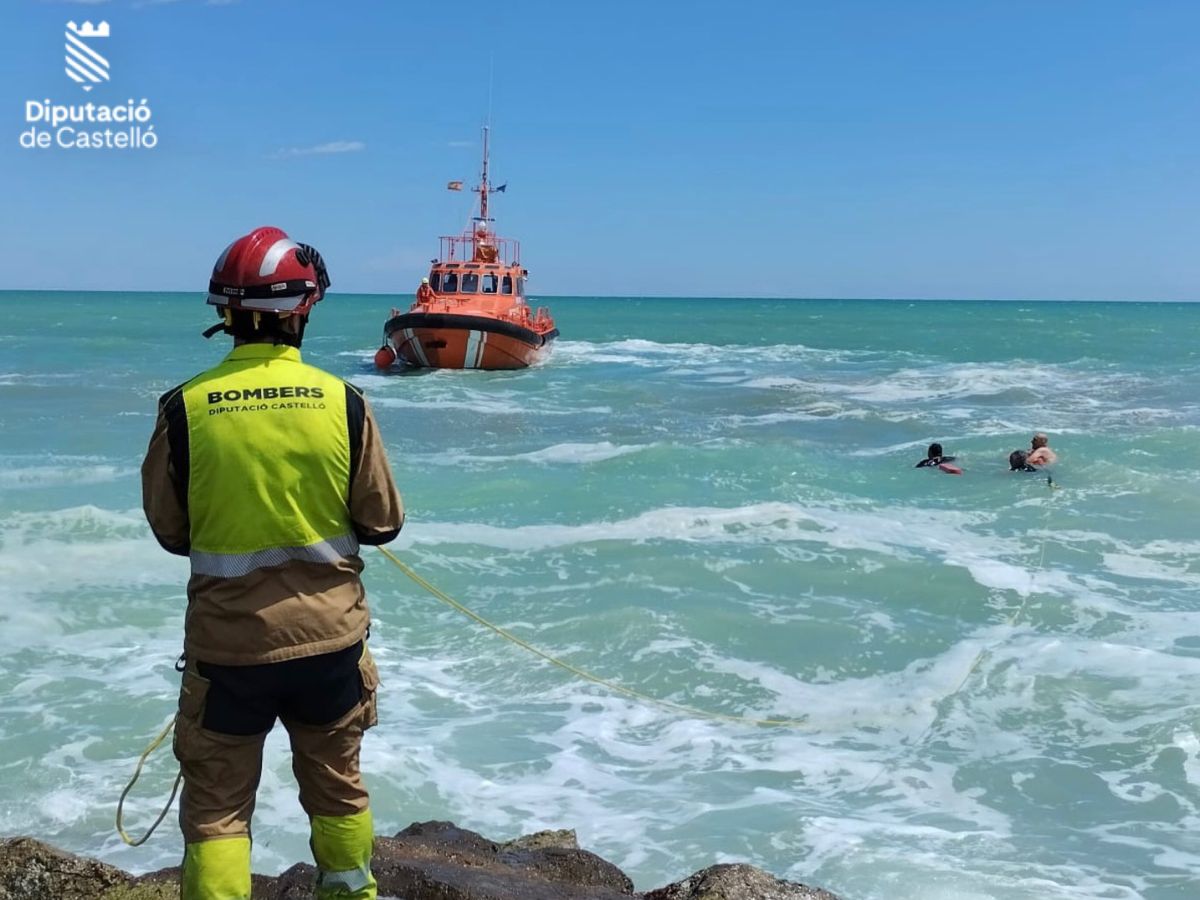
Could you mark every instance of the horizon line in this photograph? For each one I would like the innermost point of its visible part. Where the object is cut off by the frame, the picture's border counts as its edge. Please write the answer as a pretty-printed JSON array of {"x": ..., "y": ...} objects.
[{"x": 742, "y": 297}]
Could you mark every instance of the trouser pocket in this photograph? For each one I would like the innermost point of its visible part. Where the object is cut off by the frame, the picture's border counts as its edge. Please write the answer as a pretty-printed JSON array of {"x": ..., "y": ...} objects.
[
  {"x": 369, "y": 674},
  {"x": 193, "y": 694}
]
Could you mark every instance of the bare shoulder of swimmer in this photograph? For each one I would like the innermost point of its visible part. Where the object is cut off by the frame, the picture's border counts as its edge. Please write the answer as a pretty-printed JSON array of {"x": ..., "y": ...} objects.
[{"x": 1041, "y": 456}]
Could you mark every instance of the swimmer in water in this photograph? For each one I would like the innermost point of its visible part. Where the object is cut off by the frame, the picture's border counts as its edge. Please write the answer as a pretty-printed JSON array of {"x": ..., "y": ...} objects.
[
  {"x": 933, "y": 457},
  {"x": 1040, "y": 453},
  {"x": 1018, "y": 461}
]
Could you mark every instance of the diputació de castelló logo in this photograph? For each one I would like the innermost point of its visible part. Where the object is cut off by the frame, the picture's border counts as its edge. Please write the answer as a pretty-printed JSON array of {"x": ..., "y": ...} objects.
[
  {"x": 72, "y": 126},
  {"x": 85, "y": 65}
]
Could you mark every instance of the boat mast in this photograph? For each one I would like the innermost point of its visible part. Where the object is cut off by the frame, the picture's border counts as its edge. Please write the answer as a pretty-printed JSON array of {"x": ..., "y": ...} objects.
[{"x": 483, "y": 184}]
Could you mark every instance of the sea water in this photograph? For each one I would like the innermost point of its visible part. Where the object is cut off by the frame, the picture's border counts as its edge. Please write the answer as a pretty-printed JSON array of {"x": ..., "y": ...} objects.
[{"x": 712, "y": 502}]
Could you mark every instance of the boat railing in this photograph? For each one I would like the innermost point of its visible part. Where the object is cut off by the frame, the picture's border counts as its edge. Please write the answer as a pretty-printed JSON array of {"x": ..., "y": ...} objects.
[
  {"x": 472, "y": 247},
  {"x": 521, "y": 314}
]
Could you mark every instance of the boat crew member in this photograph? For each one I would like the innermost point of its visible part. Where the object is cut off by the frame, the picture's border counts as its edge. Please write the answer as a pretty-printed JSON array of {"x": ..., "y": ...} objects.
[
  {"x": 268, "y": 474},
  {"x": 1040, "y": 453},
  {"x": 933, "y": 457},
  {"x": 424, "y": 292}
]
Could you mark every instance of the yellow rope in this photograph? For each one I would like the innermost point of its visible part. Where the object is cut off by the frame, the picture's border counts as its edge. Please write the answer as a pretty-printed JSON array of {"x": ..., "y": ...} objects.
[
  {"x": 445, "y": 598},
  {"x": 581, "y": 673},
  {"x": 154, "y": 744},
  {"x": 568, "y": 667}
]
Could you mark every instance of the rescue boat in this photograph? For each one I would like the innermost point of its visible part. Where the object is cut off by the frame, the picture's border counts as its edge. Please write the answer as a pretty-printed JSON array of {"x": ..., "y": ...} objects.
[{"x": 471, "y": 311}]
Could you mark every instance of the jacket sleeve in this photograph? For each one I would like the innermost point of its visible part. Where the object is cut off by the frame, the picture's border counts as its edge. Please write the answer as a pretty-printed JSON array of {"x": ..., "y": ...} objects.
[
  {"x": 375, "y": 506},
  {"x": 164, "y": 497}
]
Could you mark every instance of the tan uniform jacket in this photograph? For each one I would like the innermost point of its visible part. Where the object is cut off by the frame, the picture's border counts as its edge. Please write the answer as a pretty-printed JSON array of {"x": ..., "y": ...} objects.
[{"x": 285, "y": 611}]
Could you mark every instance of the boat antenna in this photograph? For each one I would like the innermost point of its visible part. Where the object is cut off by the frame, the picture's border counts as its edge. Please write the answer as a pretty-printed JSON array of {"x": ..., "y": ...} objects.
[
  {"x": 484, "y": 189},
  {"x": 491, "y": 82},
  {"x": 483, "y": 184}
]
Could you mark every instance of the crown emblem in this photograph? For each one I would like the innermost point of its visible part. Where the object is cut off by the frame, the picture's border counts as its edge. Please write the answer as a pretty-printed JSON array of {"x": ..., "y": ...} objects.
[{"x": 89, "y": 30}]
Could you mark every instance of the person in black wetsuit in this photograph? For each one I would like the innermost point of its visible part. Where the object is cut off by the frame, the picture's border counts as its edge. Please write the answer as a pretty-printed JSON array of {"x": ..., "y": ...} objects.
[
  {"x": 1017, "y": 462},
  {"x": 933, "y": 457}
]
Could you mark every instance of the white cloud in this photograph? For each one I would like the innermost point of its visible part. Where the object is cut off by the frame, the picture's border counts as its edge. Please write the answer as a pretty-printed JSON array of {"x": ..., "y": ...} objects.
[
  {"x": 331, "y": 147},
  {"x": 142, "y": 4}
]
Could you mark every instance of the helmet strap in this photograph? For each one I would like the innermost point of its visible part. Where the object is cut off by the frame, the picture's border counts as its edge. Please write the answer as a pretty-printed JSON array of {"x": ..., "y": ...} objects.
[
  {"x": 249, "y": 326},
  {"x": 225, "y": 325}
]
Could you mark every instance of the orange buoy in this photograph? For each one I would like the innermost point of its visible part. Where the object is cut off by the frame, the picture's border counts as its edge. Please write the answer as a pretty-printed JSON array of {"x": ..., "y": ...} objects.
[{"x": 384, "y": 357}]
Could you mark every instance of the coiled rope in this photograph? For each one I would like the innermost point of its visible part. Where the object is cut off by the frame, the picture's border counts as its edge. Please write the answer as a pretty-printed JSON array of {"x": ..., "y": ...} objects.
[{"x": 154, "y": 744}]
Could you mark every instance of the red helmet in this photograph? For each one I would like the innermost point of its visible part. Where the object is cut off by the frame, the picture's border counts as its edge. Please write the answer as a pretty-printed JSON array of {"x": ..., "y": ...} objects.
[{"x": 266, "y": 271}]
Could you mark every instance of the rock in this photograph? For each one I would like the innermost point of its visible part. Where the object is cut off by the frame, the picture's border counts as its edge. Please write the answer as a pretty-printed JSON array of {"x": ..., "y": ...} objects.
[
  {"x": 539, "y": 840},
  {"x": 426, "y": 861},
  {"x": 143, "y": 891},
  {"x": 31, "y": 870},
  {"x": 439, "y": 860},
  {"x": 736, "y": 882},
  {"x": 294, "y": 884},
  {"x": 163, "y": 884}
]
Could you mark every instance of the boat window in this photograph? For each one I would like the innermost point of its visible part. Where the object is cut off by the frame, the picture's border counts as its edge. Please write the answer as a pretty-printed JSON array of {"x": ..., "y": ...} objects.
[
  {"x": 450, "y": 283},
  {"x": 521, "y": 287},
  {"x": 489, "y": 284},
  {"x": 435, "y": 279},
  {"x": 470, "y": 283},
  {"x": 506, "y": 285}
]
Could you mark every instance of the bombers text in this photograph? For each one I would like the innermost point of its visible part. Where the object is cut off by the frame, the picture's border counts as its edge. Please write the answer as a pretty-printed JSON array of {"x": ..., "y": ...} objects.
[{"x": 265, "y": 393}]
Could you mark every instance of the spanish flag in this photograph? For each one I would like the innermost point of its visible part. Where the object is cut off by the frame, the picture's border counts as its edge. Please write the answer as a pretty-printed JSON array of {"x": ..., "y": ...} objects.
[{"x": 454, "y": 186}]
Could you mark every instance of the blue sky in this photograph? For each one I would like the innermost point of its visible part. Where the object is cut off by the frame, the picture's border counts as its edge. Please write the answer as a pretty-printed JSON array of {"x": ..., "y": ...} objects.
[{"x": 797, "y": 149}]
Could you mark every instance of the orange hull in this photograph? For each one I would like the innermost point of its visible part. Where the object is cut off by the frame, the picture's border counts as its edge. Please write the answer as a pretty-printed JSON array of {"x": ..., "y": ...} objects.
[{"x": 448, "y": 341}]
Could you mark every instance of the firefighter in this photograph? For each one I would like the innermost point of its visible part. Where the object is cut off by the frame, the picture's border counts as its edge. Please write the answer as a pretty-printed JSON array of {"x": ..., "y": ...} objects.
[{"x": 268, "y": 474}]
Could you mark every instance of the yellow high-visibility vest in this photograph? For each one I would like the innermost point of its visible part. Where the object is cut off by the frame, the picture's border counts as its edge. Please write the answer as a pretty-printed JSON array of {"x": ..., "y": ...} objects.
[{"x": 268, "y": 450}]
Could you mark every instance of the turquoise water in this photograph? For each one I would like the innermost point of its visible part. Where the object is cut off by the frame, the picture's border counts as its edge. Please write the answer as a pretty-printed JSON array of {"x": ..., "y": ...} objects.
[{"x": 709, "y": 501}]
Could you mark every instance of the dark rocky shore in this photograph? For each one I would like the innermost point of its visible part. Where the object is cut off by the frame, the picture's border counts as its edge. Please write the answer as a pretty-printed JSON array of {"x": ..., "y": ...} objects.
[{"x": 426, "y": 861}]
